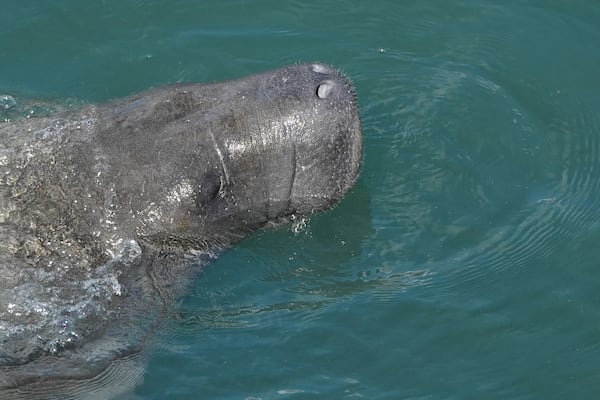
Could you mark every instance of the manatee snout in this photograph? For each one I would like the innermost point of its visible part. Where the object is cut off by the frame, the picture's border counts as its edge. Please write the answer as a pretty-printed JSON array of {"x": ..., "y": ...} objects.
[{"x": 328, "y": 156}]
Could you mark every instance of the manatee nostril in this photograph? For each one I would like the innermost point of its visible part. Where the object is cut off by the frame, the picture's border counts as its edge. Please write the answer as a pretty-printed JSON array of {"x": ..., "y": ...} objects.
[
  {"x": 321, "y": 69},
  {"x": 324, "y": 89}
]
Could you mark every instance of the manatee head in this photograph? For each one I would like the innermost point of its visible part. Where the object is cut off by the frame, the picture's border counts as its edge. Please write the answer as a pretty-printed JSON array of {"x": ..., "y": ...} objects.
[{"x": 231, "y": 157}]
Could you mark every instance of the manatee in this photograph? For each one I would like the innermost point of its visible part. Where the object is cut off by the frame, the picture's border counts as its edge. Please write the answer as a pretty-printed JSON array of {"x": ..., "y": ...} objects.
[{"x": 109, "y": 211}]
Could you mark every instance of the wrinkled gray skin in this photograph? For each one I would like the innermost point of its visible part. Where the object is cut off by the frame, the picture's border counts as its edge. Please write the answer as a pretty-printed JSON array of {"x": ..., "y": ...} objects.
[{"x": 105, "y": 214}]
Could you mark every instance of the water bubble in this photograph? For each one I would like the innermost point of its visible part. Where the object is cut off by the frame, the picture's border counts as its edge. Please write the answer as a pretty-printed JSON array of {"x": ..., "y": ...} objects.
[
  {"x": 7, "y": 101},
  {"x": 299, "y": 225}
]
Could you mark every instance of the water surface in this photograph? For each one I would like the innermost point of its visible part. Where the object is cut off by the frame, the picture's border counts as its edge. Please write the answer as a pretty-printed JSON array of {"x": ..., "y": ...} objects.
[{"x": 463, "y": 265}]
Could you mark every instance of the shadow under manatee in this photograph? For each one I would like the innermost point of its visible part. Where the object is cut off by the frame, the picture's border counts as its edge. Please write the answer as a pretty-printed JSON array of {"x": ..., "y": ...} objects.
[{"x": 298, "y": 267}]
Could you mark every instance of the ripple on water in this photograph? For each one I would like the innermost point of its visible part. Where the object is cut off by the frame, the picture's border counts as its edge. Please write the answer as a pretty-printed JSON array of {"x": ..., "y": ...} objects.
[
  {"x": 14, "y": 107},
  {"x": 566, "y": 210},
  {"x": 471, "y": 175},
  {"x": 119, "y": 377}
]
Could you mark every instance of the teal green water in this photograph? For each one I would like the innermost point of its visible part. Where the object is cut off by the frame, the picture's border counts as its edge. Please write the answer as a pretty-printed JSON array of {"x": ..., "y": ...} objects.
[{"x": 465, "y": 264}]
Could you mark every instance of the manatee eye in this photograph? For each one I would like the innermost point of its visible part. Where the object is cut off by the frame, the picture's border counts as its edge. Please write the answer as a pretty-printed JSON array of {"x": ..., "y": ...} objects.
[
  {"x": 324, "y": 89},
  {"x": 209, "y": 190}
]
